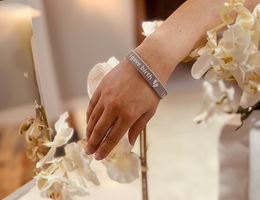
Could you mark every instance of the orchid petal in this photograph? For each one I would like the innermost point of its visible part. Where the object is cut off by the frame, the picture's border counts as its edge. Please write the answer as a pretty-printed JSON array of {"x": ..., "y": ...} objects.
[
  {"x": 122, "y": 165},
  {"x": 211, "y": 76},
  {"x": 225, "y": 11},
  {"x": 62, "y": 137},
  {"x": 97, "y": 73},
  {"x": 256, "y": 12},
  {"x": 203, "y": 64},
  {"x": 124, "y": 169},
  {"x": 244, "y": 18},
  {"x": 82, "y": 161},
  {"x": 61, "y": 123},
  {"x": 249, "y": 99},
  {"x": 47, "y": 158}
]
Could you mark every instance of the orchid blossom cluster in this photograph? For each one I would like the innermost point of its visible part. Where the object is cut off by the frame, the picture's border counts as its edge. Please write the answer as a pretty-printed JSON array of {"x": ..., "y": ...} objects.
[
  {"x": 65, "y": 177},
  {"x": 232, "y": 57}
]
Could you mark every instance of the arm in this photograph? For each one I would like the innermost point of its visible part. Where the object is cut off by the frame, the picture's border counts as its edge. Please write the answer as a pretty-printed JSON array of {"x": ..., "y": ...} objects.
[
  {"x": 183, "y": 31},
  {"x": 123, "y": 99}
]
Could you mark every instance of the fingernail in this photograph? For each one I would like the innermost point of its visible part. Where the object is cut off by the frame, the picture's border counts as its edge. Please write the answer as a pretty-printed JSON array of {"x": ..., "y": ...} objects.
[
  {"x": 88, "y": 150},
  {"x": 132, "y": 142},
  {"x": 97, "y": 156}
]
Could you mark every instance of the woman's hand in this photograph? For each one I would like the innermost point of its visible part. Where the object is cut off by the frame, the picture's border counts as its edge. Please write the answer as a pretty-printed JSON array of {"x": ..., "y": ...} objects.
[{"x": 122, "y": 101}]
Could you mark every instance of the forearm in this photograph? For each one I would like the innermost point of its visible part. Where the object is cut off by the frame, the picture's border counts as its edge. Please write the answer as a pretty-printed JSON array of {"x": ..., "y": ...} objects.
[{"x": 183, "y": 31}]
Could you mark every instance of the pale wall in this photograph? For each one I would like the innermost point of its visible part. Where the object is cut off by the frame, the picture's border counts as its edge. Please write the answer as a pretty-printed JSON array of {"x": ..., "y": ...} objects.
[{"x": 85, "y": 32}]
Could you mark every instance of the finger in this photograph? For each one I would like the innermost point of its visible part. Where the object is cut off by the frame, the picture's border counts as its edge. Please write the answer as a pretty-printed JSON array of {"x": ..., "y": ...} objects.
[
  {"x": 93, "y": 102},
  {"x": 111, "y": 140},
  {"x": 138, "y": 126},
  {"x": 95, "y": 115},
  {"x": 100, "y": 130}
]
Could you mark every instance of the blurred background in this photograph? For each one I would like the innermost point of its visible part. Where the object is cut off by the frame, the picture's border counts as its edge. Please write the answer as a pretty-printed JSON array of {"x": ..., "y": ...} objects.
[{"x": 62, "y": 40}]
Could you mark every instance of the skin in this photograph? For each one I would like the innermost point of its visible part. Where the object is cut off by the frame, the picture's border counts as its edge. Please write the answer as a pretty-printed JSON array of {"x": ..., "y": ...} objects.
[{"x": 123, "y": 99}]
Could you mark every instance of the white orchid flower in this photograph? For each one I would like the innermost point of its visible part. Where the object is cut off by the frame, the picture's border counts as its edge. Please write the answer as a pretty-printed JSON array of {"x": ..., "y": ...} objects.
[
  {"x": 54, "y": 184},
  {"x": 150, "y": 27},
  {"x": 231, "y": 53},
  {"x": 98, "y": 72},
  {"x": 63, "y": 135},
  {"x": 67, "y": 176},
  {"x": 234, "y": 44},
  {"x": 77, "y": 164},
  {"x": 122, "y": 165},
  {"x": 217, "y": 99}
]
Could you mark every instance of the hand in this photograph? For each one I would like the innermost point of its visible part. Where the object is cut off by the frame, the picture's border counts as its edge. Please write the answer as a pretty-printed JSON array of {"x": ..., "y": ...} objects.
[{"x": 123, "y": 101}]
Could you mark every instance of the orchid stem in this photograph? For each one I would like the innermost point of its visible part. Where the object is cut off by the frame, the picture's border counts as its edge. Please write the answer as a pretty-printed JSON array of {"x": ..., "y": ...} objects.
[{"x": 143, "y": 157}]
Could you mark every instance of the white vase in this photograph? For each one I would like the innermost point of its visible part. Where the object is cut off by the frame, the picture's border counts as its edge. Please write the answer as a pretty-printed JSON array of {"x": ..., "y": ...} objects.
[
  {"x": 254, "y": 156},
  {"x": 239, "y": 153}
]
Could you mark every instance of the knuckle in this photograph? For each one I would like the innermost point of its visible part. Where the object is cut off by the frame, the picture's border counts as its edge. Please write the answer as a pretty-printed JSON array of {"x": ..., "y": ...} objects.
[
  {"x": 88, "y": 114},
  {"x": 91, "y": 148},
  {"x": 111, "y": 140},
  {"x": 108, "y": 92},
  {"x": 114, "y": 103},
  {"x": 153, "y": 112},
  {"x": 88, "y": 129},
  {"x": 93, "y": 117},
  {"x": 103, "y": 151},
  {"x": 97, "y": 135},
  {"x": 91, "y": 123},
  {"x": 96, "y": 132},
  {"x": 92, "y": 144},
  {"x": 127, "y": 114},
  {"x": 91, "y": 102}
]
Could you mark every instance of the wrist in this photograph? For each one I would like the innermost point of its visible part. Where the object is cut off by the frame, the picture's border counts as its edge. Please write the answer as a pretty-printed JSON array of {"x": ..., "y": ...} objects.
[
  {"x": 146, "y": 72},
  {"x": 152, "y": 51}
]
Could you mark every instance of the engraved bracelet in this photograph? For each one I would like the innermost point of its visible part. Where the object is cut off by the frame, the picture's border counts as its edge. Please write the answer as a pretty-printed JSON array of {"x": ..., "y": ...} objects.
[{"x": 147, "y": 73}]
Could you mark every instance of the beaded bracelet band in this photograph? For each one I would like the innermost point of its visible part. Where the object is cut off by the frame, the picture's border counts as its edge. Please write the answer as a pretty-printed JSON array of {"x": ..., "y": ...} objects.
[{"x": 147, "y": 73}]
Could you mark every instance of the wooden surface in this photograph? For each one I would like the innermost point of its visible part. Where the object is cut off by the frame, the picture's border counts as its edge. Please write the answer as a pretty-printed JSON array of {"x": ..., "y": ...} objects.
[
  {"x": 139, "y": 18},
  {"x": 15, "y": 168},
  {"x": 161, "y": 9}
]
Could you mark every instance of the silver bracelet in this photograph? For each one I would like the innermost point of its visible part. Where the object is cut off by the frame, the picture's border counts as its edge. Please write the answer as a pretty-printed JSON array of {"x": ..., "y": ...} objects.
[{"x": 147, "y": 73}]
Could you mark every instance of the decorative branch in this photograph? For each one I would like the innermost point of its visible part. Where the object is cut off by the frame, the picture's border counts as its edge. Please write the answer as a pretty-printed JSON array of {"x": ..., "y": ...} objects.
[
  {"x": 246, "y": 112},
  {"x": 144, "y": 168}
]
